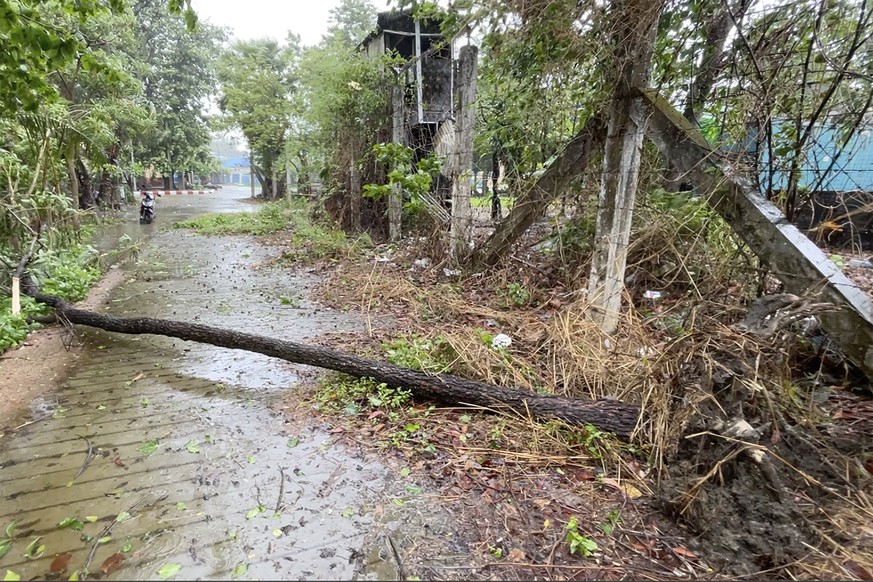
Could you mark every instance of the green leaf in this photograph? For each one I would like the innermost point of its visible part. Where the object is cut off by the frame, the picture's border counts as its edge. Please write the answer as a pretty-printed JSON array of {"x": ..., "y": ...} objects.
[
  {"x": 192, "y": 446},
  {"x": 181, "y": 506},
  {"x": 413, "y": 489},
  {"x": 74, "y": 576},
  {"x": 348, "y": 512},
  {"x": 72, "y": 523},
  {"x": 148, "y": 447},
  {"x": 5, "y": 546},
  {"x": 10, "y": 530},
  {"x": 405, "y": 471},
  {"x": 127, "y": 547},
  {"x": 240, "y": 570},
  {"x": 277, "y": 533},
  {"x": 11, "y": 576},
  {"x": 253, "y": 512},
  {"x": 91, "y": 518},
  {"x": 34, "y": 549},
  {"x": 293, "y": 442},
  {"x": 252, "y": 460},
  {"x": 169, "y": 570},
  {"x": 122, "y": 517},
  {"x": 104, "y": 540}
]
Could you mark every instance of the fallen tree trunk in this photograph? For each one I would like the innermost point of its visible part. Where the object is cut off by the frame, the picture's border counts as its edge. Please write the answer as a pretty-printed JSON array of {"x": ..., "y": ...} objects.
[{"x": 607, "y": 415}]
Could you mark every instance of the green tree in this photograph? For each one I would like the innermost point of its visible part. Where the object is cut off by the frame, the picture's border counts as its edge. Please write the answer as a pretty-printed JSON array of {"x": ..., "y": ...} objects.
[
  {"x": 178, "y": 76},
  {"x": 350, "y": 22},
  {"x": 257, "y": 83},
  {"x": 35, "y": 46}
]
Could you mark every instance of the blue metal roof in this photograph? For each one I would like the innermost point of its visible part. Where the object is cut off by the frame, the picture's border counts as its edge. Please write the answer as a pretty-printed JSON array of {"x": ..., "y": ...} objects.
[{"x": 828, "y": 166}]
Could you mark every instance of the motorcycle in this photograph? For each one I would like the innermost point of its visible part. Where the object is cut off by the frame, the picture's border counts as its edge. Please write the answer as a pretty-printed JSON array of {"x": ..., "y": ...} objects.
[{"x": 147, "y": 208}]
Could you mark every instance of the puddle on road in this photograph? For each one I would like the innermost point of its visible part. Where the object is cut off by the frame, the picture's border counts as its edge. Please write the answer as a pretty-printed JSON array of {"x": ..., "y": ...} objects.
[{"x": 178, "y": 439}]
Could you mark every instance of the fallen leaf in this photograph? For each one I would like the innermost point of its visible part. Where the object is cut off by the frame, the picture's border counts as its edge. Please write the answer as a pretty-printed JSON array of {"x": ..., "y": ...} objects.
[
  {"x": 11, "y": 576},
  {"x": 60, "y": 563},
  {"x": 169, "y": 570},
  {"x": 240, "y": 570},
  {"x": 627, "y": 488},
  {"x": 139, "y": 376},
  {"x": 118, "y": 462},
  {"x": 515, "y": 555},
  {"x": 72, "y": 523},
  {"x": 112, "y": 563},
  {"x": 858, "y": 570},
  {"x": 293, "y": 442},
  {"x": 5, "y": 546},
  {"x": 336, "y": 430},
  {"x": 683, "y": 551}
]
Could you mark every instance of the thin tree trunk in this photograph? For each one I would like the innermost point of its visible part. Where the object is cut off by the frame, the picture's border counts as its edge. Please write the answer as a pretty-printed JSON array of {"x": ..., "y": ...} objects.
[
  {"x": 395, "y": 199},
  {"x": 355, "y": 196},
  {"x": 71, "y": 173},
  {"x": 635, "y": 27},
  {"x": 462, "y": 214},
  {"x": 608, "y": 415},
  {"x": 86, "y": 190}
]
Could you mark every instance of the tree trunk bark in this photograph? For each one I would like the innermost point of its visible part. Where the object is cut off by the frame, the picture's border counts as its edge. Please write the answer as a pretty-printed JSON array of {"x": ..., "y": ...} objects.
[
  {"x": 395, "y": 199},
  {"x": 356, "y": 199},
  {"x": 86, "y": 189},
  {"x": 635, "y": 25},
  {"x": 532, "y": 203},
  {"x": 462, "y": 214},
  {"x": 71, "y": 173},
  {"x": 608, "y": 415}
]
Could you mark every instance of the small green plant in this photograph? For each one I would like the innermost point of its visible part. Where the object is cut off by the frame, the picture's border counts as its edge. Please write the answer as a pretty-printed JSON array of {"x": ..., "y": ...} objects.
[
  {"x": 515, "y": 294},
  {"x": 613, "y": 518},
  {"x": 429, "y": 355},
  {"x": 343, "y": 393},
  {"x": 577, "y": 541},
  {"x": 406, "y": 432}
]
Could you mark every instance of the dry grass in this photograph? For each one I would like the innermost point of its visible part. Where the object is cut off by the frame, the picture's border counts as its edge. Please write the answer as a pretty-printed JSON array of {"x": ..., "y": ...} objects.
[{"x": 681, "y": 360}]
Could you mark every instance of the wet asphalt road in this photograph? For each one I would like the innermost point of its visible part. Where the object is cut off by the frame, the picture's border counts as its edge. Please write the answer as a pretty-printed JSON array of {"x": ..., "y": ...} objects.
[{"x": 164, "y": 456}]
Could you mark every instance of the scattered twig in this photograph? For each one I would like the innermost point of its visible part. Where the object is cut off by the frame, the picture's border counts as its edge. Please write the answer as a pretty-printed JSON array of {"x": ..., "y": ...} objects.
[
  {"x": 400, "y": 572},
  {"x": 89, "y": 454},
  {"x": 281, "y": 490}
]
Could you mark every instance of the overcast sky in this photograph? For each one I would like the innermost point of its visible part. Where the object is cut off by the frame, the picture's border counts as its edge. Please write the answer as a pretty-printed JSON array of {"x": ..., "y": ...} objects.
[{"x": 273, "y": 18}]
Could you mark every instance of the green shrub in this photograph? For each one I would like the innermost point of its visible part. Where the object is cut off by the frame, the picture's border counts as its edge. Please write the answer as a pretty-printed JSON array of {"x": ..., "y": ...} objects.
[{"x": 271, "y": 217}]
